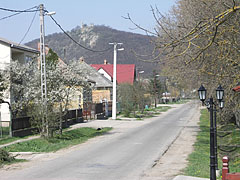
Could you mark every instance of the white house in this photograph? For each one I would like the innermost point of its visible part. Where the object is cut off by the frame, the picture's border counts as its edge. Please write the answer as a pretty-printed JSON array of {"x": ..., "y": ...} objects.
[{"x": 10, "y": 51}]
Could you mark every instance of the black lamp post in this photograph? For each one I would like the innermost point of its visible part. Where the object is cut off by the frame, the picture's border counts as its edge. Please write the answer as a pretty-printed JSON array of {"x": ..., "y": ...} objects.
[{"x": 213, "y": 130}]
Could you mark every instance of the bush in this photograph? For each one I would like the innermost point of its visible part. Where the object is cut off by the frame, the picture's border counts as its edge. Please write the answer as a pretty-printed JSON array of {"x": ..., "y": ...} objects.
[{"x": 5, "y": 156}]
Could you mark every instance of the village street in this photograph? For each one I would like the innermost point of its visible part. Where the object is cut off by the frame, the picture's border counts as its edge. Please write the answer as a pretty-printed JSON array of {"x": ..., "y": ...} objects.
[{"x": 127, "y": 152}]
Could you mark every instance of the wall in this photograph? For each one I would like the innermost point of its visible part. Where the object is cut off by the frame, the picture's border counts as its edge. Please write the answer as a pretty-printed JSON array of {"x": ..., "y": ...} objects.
[
  {"x": 5, "y": 56},
  {"x": 101, "y": 71},
  {"x": 98, "y": 95}
]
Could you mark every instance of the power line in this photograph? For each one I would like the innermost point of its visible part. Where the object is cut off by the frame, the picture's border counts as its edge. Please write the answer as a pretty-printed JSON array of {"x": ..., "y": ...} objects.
[
  {"x": 21, "y": 11},
  {"x": 28, "y": 28},
  {"x": 26, "y": 10},
  {"x": 98, "y": 51}
]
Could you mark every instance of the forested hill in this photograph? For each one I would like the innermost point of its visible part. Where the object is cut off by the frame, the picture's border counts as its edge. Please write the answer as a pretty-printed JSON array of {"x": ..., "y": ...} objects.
[{"x": 98, "y": 38}]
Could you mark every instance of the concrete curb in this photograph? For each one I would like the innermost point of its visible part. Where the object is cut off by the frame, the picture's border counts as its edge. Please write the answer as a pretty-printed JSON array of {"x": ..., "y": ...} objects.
[{"x": 188, "y": 178}]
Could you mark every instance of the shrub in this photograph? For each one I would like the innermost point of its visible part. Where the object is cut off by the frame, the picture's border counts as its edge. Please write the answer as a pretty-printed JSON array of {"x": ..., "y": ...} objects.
[{"x": 5, "y": 156}]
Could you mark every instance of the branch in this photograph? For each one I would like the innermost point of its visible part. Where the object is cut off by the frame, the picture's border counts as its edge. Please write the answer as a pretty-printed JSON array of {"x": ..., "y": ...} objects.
[{"x": 138, "y": 26}]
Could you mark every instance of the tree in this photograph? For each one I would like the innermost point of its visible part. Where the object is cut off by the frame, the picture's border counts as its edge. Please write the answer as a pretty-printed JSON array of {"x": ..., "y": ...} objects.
[
  {"x": 155, "y": 87},
  {"x": 3, "y": 86},
  {"x": 198, "y": 42},
  {"x": 62, "y": 83},
  {"x": 132, "y": 97}
]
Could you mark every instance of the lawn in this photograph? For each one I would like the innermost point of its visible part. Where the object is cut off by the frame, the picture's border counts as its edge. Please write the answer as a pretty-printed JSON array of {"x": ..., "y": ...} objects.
[{"x": 69, "y": 138}]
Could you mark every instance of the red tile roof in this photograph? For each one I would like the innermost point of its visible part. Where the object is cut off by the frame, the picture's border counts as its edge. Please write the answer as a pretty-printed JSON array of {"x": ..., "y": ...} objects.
[
  {"x": 125, "y": 72},
  {"x": 237, "y": 88}
]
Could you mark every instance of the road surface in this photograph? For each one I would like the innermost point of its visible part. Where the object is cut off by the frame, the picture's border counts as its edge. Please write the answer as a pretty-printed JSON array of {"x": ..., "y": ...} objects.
[{"x": 114, "y": 156}]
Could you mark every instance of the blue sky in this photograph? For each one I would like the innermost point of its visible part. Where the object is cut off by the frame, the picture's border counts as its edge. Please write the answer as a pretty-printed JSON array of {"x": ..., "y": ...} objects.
[{"x": 70, "y": 13}]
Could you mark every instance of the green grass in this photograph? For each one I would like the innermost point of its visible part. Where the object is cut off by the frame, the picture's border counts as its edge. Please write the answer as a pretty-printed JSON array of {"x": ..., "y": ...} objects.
[
  {"x": 5, "y": 138},
  {"x": 69, "y": 138},
  {"x": 199, "y": 160},
  {"x": 148, "y": 113}
]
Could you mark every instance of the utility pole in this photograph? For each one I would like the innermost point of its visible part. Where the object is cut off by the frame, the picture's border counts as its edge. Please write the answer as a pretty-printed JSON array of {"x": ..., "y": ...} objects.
[
  {"x": 114, "y": 103},
  {"x": 42, "y": 56},
  {"x": 43, "y": 65}
]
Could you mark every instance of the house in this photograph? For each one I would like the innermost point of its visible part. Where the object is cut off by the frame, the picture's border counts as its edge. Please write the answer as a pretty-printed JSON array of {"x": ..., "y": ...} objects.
[
  {"x": 126, "y": 73},
  {"x": 10, "y": 51},
  {"x": 102, "y": 89}
]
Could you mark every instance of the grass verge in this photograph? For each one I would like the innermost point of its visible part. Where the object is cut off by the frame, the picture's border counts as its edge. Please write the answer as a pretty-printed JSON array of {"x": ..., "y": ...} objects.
[
  {"x": 199, "y": 160},
  {"x": 147, "y": 113},
  {"x": 67, "y": 139},
  {"x": 198, "y": 165}
]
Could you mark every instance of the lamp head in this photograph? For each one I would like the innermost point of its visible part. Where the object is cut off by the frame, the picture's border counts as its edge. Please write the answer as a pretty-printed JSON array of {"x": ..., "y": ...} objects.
[
  {"x": 220, "y": 93},
  {"x": 202, "y": 93}
]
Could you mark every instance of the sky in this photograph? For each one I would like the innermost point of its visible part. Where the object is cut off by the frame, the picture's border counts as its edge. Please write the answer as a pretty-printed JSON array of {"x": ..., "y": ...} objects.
[{"x": 72, "y": 13}]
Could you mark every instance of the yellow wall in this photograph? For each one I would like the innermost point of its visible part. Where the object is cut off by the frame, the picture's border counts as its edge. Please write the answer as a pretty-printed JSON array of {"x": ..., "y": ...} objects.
[{"x": 98, "y": 95}]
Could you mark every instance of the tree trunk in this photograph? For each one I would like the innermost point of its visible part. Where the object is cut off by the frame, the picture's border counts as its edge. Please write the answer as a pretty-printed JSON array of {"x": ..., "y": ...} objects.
[{"x": 61, "y": 121}]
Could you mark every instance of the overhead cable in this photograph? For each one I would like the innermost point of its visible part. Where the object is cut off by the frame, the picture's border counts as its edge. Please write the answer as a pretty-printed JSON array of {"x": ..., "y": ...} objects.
[
  {"x": 84, "y": 47},
  {"x": 26, "y": 10},
  {"x": 28, "y": 28},
  {"x": 21, "y": 11}
]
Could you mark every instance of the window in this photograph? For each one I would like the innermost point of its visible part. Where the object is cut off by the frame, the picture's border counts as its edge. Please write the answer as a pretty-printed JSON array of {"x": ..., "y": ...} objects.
[{"x": 28, "y": 59}]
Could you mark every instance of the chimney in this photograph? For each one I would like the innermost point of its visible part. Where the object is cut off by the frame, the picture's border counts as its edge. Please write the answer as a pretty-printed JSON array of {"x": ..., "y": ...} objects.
[{"x": 105, "y": 61}]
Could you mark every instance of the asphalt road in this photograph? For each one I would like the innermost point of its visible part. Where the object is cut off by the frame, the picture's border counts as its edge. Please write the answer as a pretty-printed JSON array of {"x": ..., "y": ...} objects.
[{"x": 114, "y": 156}]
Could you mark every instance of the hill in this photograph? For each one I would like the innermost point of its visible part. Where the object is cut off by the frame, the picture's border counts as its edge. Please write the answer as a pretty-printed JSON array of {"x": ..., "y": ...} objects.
[{"x": 98, "y": 38}]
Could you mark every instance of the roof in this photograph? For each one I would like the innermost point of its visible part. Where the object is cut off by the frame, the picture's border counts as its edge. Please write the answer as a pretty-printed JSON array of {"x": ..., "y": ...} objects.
[
  {"x": 94, "y": 75},
  {"x": 19, "y": 46},
  {"x": 125, "y": 72},
  {"x": 237, "y": 88}
]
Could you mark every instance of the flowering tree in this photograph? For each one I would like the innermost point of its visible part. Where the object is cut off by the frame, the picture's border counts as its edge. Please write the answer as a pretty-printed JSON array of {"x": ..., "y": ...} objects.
[{"x": 62, "y": 83}]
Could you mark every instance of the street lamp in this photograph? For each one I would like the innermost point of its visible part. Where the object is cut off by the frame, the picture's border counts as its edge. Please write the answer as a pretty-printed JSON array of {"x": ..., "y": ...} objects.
[
  {"x": 114, "y": 101},
  {"x": 211, "y": 105},
  {"x": 220, "y": 93},
  {"x": 202, "y": 93},
  {"x": 221, "y": 104},
  {"x": 155, "y": 89}
]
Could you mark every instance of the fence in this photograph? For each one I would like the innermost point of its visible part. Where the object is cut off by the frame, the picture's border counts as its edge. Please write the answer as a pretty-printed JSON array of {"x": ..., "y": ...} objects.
[
  {"x": 4, "y": 129},
  {"x": 22, "y": 126},
  {"x": 97, "y": 110}
]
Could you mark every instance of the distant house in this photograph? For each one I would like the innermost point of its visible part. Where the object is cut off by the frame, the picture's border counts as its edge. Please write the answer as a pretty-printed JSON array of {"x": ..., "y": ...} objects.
[
  {"x": 10, "y": 51},
  {"x": 102, "y": 88},
  {"x": 126, "y": 73}
]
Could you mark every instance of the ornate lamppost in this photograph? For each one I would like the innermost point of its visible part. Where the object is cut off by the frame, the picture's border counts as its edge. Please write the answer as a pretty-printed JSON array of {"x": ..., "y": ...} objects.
[{"x": 211, "y": 105}]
